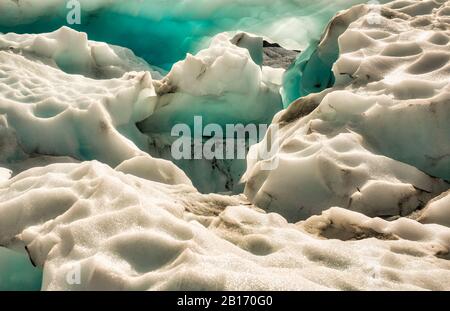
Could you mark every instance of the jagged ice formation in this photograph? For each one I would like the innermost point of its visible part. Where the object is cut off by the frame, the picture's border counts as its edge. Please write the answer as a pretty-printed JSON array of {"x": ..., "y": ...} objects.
[{"x": 359, "y": 198}]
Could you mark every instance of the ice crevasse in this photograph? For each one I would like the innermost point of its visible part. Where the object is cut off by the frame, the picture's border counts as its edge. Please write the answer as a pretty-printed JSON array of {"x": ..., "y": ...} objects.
[
  {"x": 359, "y": 198},
  {"x": 176, "y": 27}
]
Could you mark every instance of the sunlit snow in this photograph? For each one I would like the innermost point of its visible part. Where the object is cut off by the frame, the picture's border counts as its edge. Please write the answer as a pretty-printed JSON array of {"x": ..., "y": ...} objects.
[{"x": 353, "y": 195}]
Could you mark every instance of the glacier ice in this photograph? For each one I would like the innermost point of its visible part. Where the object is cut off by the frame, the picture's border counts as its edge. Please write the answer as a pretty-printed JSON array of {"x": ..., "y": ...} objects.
[
  {"x": 359, "y": 200},
  {"x": 96, "y": 101},
  {"x": 154, "y": 169},
  {"x": 437, "y": 211},
  {"x": 198, "y": 87},
  {"x": 71, "y": 52},
  {"x": 77, "y": 117},
  {"x": 176, "y": 27},
  {"x": 5, "y": 174},
  {"x": 312, "y": 70},
  {"x": 122, "y": 232},
  {"x": 37, "y": 98},
  {"x": 377, "y": 141}
]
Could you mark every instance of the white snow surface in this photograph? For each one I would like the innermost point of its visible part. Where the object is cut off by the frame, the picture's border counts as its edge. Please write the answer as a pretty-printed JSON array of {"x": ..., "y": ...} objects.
[
  {"x": 122, "y": 232},
  {"x": 378, "y": 141},
  {"x": 5, "y": 174},
  {"x": 74, "y": 115},
  {"x": 358, "y": 200},
  {"x": 89, "y": 92},
  {"x": 71, "y": 51},
  {"x": 437, "y": 211},
  {"x": 221, "y": 83}
]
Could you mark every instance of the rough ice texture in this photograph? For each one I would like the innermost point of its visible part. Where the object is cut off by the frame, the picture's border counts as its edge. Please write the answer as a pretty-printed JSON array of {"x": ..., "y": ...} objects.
[
  {"x": 224, "y": 84},
  {"x": 378, "y": 141},
  {"x": 437, "y": 211},
  {"x": 174, "y": 26},
  {"x": 143, "y": 226},
  {"x": 5, "y": 174},
  {"x": 50, "y": 82},
  {"x": 126, "y": 233},
  {"x": 66, "y": 110},
  {"x": 311, "y": 72},
  {"x": 48, "y": 115},
  {"x": 73, "y": 53}
]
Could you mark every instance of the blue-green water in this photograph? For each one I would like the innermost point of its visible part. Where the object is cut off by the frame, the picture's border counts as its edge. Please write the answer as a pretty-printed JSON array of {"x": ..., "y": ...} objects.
[{"x": 17, "y": 273}]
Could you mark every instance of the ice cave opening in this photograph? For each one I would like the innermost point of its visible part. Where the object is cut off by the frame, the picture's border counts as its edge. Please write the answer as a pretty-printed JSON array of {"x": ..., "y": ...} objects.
[{"x": 162, "y": 32}]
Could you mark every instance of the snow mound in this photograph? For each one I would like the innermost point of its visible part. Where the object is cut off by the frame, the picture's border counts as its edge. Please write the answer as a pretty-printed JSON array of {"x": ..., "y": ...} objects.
[
  {"x": 224, "y": 85},
  {"x": 48, "y": 116},
  {"x": 94, "y": 228},
  {"x": 339, "y": 223},
  {"x": 71, "y": 52},
  {"x": 73, "y": 115},
  {"x": 372, "y": 142},
  {"x": 221, "y": 83},
  {"x": 5, "y": 174},
  {"x": 39, "y": 95},
  {"x": 311, "y": 72},
  {"x": 437, "y": 211},
  {"x": 154, "y": 169}
]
